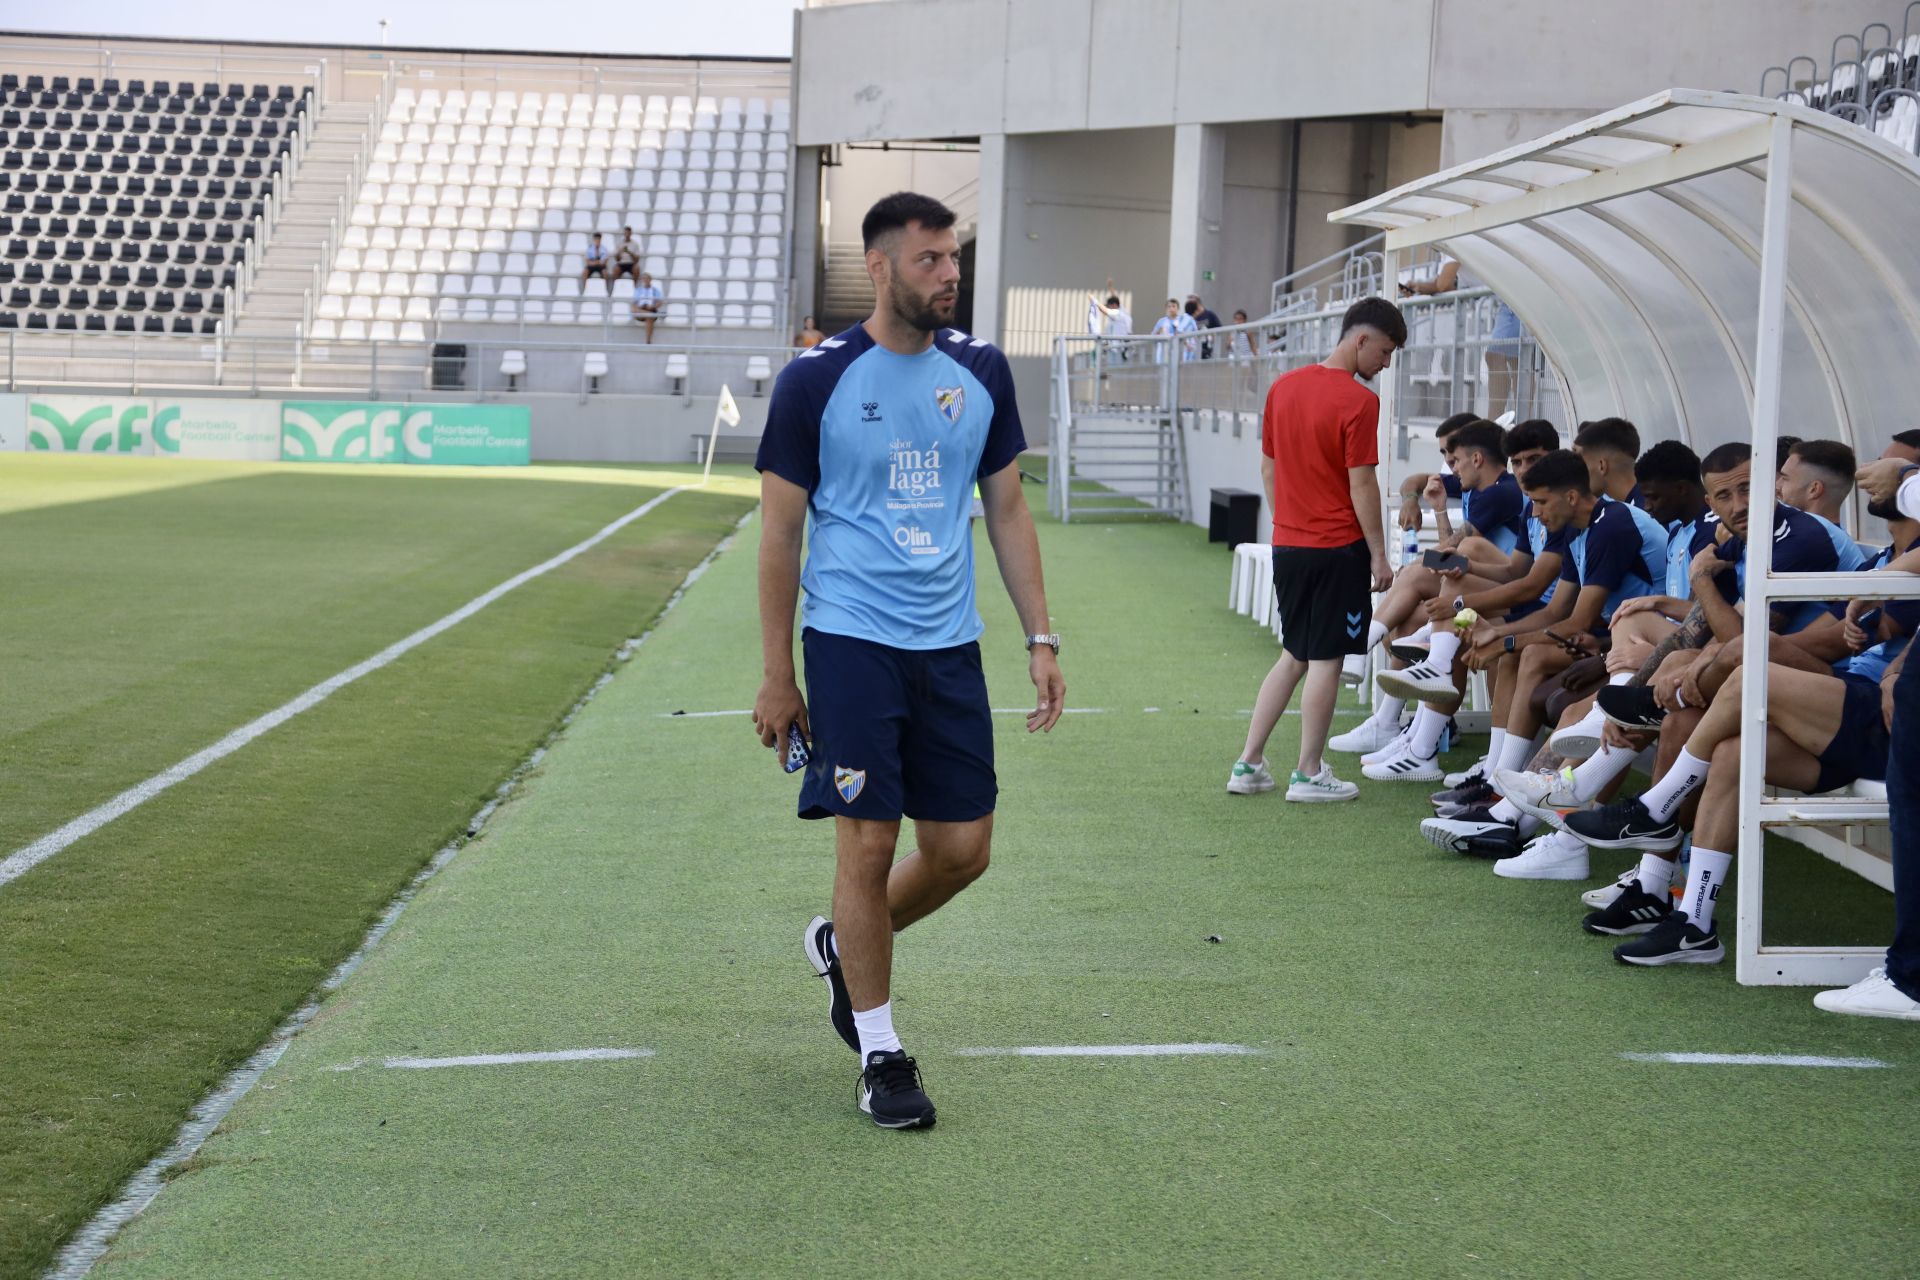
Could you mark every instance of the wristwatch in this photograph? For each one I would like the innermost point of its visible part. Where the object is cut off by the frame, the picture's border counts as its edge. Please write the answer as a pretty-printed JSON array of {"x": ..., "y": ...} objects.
[
  {"x": 1459, "y": 603},
  {"x": 1508, "y": 646},
  {"x": 1051, "y": 641}
]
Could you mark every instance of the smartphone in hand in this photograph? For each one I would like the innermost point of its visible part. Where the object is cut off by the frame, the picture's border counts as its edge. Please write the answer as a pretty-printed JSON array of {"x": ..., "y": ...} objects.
[
  {"x": 797, "y": 753},
  {"x": 1444, "y": 561}
]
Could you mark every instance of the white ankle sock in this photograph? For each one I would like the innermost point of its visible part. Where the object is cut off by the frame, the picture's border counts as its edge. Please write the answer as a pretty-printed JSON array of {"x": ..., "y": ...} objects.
[
  {"x": 1674, "y": 786},
  {"x": 1388, "y": 713},
  {"x": 876, "y": 1030},
  {"x": 1445, "y": 645},
  {"x": 1655, "y": 874},
  {"x": 1375, "y": 634},
  {"x": 1427, "y": 727},
  {"x": 1496, "y": 741},
  {"x": 1591, "y": 776},
  {"x": 1706, "y": 872}
]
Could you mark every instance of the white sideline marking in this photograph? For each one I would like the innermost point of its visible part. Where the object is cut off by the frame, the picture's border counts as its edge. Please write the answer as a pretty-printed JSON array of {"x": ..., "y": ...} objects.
[
  {"x": 999, "y": 711},
  {"x": 24, "y": 860},
  {"x": 1756, "y": 1060},
  {"x": 1108, "y": 1051},
  {"x": 89, "y": 1244},
  {"x": 511, "y": 1059},
  {"x": 1070, "y": 711}
]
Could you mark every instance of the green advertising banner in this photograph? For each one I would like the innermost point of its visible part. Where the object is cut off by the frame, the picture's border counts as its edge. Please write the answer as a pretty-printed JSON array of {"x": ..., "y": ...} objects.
[
  {"x": 235, "y": 430},
  {"x": 89, "y": 424},
  {"x": 449, "y": 434}
]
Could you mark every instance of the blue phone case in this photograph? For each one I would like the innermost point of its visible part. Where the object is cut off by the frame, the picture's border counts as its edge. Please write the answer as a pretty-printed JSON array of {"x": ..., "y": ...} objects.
[{"x": 796, "y": 750}]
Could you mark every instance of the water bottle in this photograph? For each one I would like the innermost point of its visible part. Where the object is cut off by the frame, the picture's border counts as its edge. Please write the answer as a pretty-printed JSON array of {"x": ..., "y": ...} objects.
[{"x": 1409, "y": 545}]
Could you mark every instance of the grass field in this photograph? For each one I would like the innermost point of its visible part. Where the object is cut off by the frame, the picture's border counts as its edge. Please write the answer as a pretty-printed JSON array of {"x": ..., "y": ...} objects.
[
  {"x": 1438, "y": 1088},
  {"x": 147, "y": 615}
]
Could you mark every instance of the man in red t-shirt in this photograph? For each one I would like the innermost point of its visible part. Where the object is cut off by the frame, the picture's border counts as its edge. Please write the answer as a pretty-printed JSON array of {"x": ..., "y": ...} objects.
[{"x": 1319, "y": 447}]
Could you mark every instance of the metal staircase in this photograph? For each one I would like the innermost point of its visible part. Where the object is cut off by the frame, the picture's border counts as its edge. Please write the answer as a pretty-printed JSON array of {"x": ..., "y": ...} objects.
[{"x": 1116, "y": 448}]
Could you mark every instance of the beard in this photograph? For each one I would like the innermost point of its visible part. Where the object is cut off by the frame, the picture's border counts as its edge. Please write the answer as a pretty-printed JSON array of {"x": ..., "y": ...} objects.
[{"x": 915, "y": 310}]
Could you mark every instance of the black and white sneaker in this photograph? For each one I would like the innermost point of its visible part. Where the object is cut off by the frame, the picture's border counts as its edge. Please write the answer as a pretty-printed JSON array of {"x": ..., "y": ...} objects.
[
  {"x": 1634, "y": 911},
  {"x": 817, "y": 942},
  {"x": 890, "y": 1092},
  {"x": 1674, "y": 940},
  {"x": 1474, "y": 791},
  {"x": 1631, "y": 706},
  {"x": 1422, "y": 682},
  {"x": 1624, "y": 824},
  {"x": 1477, "y": 834}
]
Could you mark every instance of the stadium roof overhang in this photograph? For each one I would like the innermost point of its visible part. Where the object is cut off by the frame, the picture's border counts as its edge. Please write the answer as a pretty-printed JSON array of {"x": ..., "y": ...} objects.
[{"x": 1642, "y": 247}]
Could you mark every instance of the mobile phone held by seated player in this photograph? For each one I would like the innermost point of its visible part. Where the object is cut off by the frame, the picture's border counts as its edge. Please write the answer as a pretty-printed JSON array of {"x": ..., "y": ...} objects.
[
  {"x": 796, "y": 757},
  {"x": 1445, "y": 561}
]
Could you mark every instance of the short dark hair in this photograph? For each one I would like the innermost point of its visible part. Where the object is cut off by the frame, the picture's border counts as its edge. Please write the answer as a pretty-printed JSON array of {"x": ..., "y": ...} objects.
[
  {"x": 1828, "y": 455},
  {"x": 894, "y": 212},
  {"x": 1910, "y": 438},
  {"x": 1724, "y": 459},
  {"x": 1113, "y": 299},
  {"x": 1783, "y": 449},
  {"x": 1534, "y": 433},
  {"x": 1559, "y": 470},
  {"x": 1453, "y": 424},
  {"x": 1193, "y": 306},
  {"x": 1668, "y": 462},
  {"x": 1376, "y": 313},
  {"x": 1615, "y": 435},
  {"x": 596, "y": 235},
  {"x": 1485, "y": 436}
]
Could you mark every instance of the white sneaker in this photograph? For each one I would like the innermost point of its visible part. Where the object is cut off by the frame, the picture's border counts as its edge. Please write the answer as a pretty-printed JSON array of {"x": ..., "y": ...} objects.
[
  {"x": 1422, "y": 683},
  {"x": 1579, "y": 741},
  {"x": 1404, "y": 766},
  {"x": 1397, "y": 747},
  {"x": 1249, "y": 779},
  {"x": 1478, "y": 769},
  {"x": 1544, "y": 795},
  {"x": 1321, "y": 788},
  {"x": 1368, "y": 735},
  {"x": 1555, "y": 856},
  {"x": 1353, "y": 669},
  {"x": 1412, "y": 648},
  {"x": 1874, "y": 996},
  {"x": 1602, "y": 898}
]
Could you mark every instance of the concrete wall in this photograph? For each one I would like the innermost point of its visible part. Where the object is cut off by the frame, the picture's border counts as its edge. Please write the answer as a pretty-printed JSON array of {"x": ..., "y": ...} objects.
[
  {"x": 631, "y": 428},
  {"x": 1043, "y": 66}
]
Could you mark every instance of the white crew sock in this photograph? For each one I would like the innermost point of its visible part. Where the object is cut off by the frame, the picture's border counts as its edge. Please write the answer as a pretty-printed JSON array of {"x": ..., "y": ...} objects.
[
  {"x": 1655, "y": 874},
  {"x": 1375, "y": 634},
  {"x": 1706, "y": 872},
  {"x": 1445, "y": 645},
  {"x": 1595, "y": 720},
  {"x": 876, "y": 1031},
  {"x": 1423, "y": 632},
  {"x": 1496, "y": 742},
  {"x": 1666, "y": 796},
  {"x": 1388, "y": 713},
  {"x": 1427, "y": 727},
  {"x": 1514, "y": 752},
  {"x": 1591, "y": 776}
]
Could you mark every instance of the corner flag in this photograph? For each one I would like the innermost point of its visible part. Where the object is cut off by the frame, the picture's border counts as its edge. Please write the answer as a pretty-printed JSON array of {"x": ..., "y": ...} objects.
[{"x": 725, "y": 411}]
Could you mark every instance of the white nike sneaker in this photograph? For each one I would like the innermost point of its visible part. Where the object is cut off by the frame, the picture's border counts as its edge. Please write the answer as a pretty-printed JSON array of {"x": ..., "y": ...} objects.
[
  {"x": 1404, "y": 766},
  {"x": 1422, "y": 683},
  {"x": 1581, "y": 740},
  {"x": 1368, "y": 735},
  {"x": 1478, "y": 769},
  {"x": 1602, "y": 898},
  {"x": 1547, "y": 796},
  {"x": 1321, "y": 788},
  {"x": 1874, "y": 996},
  {"x": 1554, "y": 856},
  {"x": 1249, "y": 779},
  {"x": 1393, "y": 748},
  {"x": 1353, "y": 669}
]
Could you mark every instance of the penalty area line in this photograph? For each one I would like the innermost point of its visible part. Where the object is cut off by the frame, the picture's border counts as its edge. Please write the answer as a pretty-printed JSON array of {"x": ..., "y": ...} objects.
[
  {"x": 25, "y": 859},
  {"x": 1758, "y": 1060},
  {"x": 1112, "y": 1051},
  {"x": 502, "y": 1059}
]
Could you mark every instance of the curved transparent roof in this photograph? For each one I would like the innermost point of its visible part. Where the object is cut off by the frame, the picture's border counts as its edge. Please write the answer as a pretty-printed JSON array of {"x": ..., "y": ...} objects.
[{"x": 1630, "y": 244}]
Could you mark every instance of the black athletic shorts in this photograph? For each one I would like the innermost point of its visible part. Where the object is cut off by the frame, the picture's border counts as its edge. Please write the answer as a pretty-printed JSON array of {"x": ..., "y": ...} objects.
[
  {"x": 1325, "y": 599},
  {"x": 1859, "y": 749}
]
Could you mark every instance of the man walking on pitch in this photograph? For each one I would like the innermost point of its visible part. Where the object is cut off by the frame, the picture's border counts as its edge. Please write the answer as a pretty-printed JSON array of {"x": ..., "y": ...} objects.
[
  {"x": 875, "y": 439},
  {"x": 1319, "y": 449}
]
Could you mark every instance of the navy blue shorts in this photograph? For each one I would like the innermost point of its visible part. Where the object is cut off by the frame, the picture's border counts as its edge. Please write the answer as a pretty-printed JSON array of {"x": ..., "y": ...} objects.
[
  {"x": 1859, "y": 749},
  {"x": 896, "y": 732}
]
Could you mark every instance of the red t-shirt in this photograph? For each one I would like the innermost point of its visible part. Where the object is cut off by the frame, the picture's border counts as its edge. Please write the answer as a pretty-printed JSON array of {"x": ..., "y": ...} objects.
[{"x": 1318, "y": 422}]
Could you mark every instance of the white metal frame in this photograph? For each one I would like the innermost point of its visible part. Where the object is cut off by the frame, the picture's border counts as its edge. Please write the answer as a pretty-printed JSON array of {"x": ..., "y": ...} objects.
[{"x": 1437, "y": 209}]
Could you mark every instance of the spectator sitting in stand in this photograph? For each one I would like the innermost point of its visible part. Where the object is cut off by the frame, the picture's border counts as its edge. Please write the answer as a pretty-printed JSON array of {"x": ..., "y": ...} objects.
[
  {"x": 646, "y": 303},
  {"x": 626, "y": 255},
  {"x": 596, "y": 262},
  {"x": 808, "y": 335}
]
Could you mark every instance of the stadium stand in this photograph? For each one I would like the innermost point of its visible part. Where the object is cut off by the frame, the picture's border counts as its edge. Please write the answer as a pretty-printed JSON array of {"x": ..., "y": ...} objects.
[
  {"x": 477, "y": 207},
  {"x": 135, "y": 206},
  {"x": 1877, "y": 88}
]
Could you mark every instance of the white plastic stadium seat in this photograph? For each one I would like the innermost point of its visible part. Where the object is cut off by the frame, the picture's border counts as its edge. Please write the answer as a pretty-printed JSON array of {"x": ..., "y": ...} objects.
[
  {"x": 595, "y": 368},
  {"x": 513, "y": 365},
  {"x": 759, "y": 369}
]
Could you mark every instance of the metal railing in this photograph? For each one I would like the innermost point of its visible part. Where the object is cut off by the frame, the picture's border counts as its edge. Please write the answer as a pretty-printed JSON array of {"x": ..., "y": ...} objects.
[
  {"x": 106, "y": 63},
  {"x": 1868, "y": 88},
  {"x": 136, "y": 363},
  {"x": 1443, "y": 369}
]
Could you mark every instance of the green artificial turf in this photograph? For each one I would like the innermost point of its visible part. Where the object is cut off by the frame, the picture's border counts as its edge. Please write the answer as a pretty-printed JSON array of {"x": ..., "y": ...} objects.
[
  {"x": 1439, "y": 1089},
  {"x": 142, "y": 963}
]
